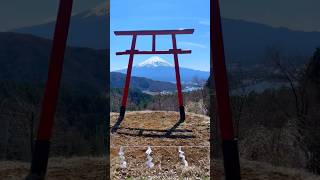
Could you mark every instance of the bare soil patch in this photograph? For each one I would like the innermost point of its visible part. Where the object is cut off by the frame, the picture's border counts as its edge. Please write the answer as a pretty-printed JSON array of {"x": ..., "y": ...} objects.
[{"x": 143, "y": 128}]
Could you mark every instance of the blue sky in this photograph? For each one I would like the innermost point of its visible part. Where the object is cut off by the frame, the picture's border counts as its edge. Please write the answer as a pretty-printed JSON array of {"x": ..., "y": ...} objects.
[{"x": 164, "y": 14}]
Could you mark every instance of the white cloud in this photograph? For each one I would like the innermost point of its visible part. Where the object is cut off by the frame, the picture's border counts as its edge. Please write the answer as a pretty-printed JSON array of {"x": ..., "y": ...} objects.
[{"x": 192, "y": 44}]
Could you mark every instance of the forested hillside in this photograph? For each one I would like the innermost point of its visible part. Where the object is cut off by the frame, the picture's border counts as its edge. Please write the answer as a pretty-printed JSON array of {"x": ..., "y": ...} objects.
[
  {"x": 117, "y": 81},
  {"x": 25, "y": 58},
  {"x": 82, "y": 106},
  {"x": 79, "y": 124}
]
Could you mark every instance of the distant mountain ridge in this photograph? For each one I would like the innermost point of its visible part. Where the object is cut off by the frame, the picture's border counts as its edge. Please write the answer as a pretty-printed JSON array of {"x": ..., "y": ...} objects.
[
  {"x": 87, "y": 29},
  {"x": 247, "y": 41},
  {"x": 117, "y": 81},
  {"x": 159, "y": 69},
  {"x": 244, "y": 41},
  {"x": 25, "y": 58}
]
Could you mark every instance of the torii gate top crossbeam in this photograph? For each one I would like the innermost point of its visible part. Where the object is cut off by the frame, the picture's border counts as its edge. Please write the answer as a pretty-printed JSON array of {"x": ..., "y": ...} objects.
[
  {"x": 154, "y": 32},
  {"x": 171, "y": 51}
]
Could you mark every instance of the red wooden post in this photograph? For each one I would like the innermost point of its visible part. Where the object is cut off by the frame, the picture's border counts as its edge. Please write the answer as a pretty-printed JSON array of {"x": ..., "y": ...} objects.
[
  {"x": 42, "y": 142},
  {"x": 128, "y": 77},
  {"x": 229, "y": 144},
  {"x": 154, "y": 43},
  {"x": 176, "y": 65}
]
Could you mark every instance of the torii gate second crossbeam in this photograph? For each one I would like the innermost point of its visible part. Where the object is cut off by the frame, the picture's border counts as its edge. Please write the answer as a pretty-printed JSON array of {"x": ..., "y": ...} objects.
[{"x": 174, "y": 51}]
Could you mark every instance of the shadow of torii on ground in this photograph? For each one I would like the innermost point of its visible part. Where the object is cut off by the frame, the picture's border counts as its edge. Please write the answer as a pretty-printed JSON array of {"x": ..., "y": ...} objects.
[{"x": 154, "y": 133}]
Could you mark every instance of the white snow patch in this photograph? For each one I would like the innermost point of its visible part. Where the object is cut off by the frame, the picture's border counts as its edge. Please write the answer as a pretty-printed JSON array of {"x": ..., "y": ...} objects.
[
  {"x": 100, "y": 10},
  {"x": 154, "y": 61}
]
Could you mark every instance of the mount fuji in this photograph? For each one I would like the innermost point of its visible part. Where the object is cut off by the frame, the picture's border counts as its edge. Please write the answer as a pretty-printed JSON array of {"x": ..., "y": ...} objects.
[
  {"x": 245, "y": 42},
  {"x": 158, "y": 69},
  {"x": 87, "y": 29}
]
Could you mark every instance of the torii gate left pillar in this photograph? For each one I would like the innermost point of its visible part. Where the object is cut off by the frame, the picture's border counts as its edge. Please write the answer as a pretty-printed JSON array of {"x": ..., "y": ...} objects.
[{"x": 174, "y": 51}]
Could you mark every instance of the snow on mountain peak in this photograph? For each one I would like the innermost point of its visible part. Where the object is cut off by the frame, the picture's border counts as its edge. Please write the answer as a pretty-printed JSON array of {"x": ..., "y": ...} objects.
[
  {"x": 154, "y": 61},
  {"x": 100, "y": 10}
]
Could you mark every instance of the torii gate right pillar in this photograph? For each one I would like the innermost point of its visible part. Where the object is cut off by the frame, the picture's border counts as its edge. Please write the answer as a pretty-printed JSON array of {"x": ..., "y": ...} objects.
[{"x": 177, "y": 70}]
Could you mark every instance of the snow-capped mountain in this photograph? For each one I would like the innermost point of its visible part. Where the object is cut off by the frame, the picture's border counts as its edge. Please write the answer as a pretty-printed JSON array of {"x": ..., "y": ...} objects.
[
  {"x": 158, "y": 69},
  {"x": 91, "y": 29},
  {"x": 102, "y": 9},
  {"x": 154, "y": 61},
  {"x": 87, "y": 29}
]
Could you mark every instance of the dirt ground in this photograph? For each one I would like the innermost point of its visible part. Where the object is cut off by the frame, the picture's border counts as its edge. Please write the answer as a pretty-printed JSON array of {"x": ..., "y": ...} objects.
[
  {"x": 89, "y": 168},
  {"x": 141, "y": 129},
  {"x": 77, "y": 168},
  {"x": 147, "y": 128},
  {"x": 167, "y": 163}
]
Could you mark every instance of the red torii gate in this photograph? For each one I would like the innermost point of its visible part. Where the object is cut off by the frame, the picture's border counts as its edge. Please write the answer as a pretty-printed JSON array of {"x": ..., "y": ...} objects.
[
  {"x": 42, "y": 142},
  {"x": 174, "y": 51}
]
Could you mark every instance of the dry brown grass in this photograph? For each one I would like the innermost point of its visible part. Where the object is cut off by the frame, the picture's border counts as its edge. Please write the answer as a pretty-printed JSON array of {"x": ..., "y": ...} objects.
[
  {"x": 95, "y": 169},
  {"x": 59, "y": 169},
  {"x": 193, "y": 135},
  {"x": 167, "y": 164},
  {"x": 195, "y": 129},
  {"x": 251, "y": 170}
]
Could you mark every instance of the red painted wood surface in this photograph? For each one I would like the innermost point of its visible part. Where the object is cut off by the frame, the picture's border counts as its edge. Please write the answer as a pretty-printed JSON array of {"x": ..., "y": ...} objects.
[
  {"x": 220, "y": 75},
  {"x": 176, "y": 65},
  {"x": 171, "y": 51},
  {"x": 154, "y": 32},
  {"x": 229, "y": 143},
  {"x": 129, "y": 69},
  {"x": 55, "y": 70},
  {"x": 153, "y": 43}
]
